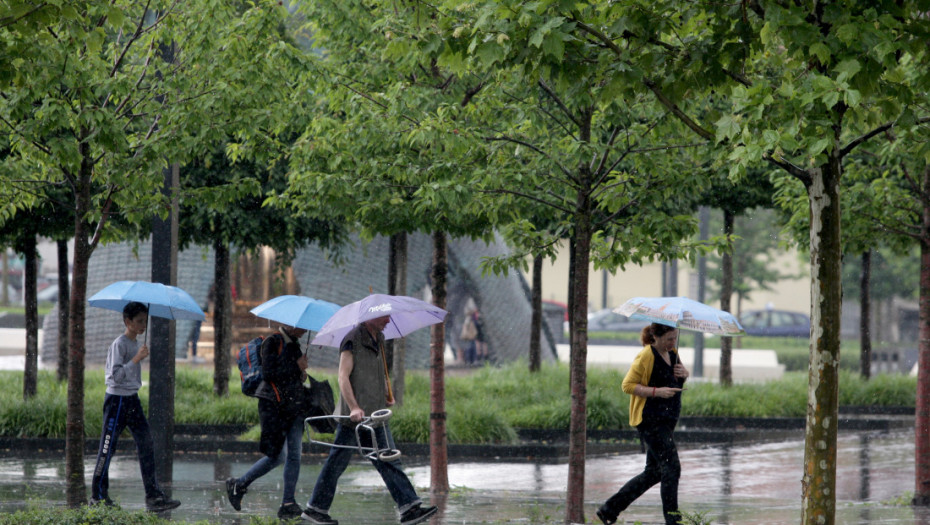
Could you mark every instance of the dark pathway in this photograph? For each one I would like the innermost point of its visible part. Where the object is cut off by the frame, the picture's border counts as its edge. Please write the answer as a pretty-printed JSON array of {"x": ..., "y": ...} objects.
[{"x": 746, "y": 484}]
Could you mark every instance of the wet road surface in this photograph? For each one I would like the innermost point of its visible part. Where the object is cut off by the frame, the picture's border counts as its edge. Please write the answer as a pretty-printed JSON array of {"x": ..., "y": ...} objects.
[{"x": 749, "y": 484}]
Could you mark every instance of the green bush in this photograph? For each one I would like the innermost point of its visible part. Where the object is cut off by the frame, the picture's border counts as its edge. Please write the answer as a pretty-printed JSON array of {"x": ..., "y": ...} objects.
[
  {"x": 484, "y": 406},
  {"x": 41, "y": 514}
]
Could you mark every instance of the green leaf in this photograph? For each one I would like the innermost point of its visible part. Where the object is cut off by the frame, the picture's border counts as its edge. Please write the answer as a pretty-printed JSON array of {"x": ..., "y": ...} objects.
[
  {"x": 847, "y": 69},
  {"x": 94, "y": 41},
  {"x": 766, "y": 34},
  {"x": 727, "y": 127},
  {"x": 116, "y": 17},
  {"x": 830, "y": 98},
  {"x": 821, "y": 51},
  {"x": 819, "y": 146},
  {"x": 852, "y": 98}
]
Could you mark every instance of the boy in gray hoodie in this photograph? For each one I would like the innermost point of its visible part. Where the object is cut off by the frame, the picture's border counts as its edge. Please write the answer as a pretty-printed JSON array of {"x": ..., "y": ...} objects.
[{"x": 122, "y": 408}]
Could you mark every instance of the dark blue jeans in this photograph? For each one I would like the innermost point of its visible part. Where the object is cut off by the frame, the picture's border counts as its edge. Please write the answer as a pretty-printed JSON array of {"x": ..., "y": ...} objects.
[
  {"x": 398, "y": 484},
  {"x": 290, "y": 456},
  {"x": 118, "y": 413},
  {"x": 662, "y": 466}
]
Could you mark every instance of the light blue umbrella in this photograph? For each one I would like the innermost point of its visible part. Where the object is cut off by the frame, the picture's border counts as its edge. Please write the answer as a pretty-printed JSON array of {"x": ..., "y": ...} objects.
[
  {"x": 407, "y": 314},
  {"x": 298, "y": 311},
  {"x": 683, "y": 313},
  {"x": 162, "y": 300}
]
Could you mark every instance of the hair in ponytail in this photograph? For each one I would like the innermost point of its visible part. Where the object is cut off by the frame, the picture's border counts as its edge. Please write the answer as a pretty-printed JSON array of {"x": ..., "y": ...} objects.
[{"x": 649, "y": 333}]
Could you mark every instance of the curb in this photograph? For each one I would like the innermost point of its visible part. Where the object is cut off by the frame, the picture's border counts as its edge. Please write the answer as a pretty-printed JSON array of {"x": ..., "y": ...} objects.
[{"x": 536, "y": 444}]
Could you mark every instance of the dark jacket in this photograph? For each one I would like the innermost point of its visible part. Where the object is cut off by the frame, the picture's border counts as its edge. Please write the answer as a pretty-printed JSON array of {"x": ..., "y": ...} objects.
[
  {"x": 279, "y": 393},
  {"x": 282, "y": 379}
]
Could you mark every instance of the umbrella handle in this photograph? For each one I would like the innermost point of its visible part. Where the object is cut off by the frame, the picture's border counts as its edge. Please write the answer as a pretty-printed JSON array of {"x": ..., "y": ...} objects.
[{"x": 387, "y": 377}]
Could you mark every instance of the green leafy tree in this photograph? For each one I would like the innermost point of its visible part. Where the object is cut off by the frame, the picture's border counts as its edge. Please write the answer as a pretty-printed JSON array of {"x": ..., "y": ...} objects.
[
  {"x": 91, "y": 104},
  {"x": 748, "y": 252},
  {"x": 22, "y": 232},
  {"x": 809, "y": 84},
  {"x": 223, "y": 206},
  {"x": 594, "y": 155},
  {"x": 382, "y": 151},
  {"x": 899, "y": 210}
]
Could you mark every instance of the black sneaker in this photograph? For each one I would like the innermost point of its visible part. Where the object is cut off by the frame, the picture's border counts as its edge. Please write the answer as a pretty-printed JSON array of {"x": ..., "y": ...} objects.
[
  {"x": 320, "y": 518},
  {"x": 161, "y": 503},
  {"x": 289, "y": 511},
  {"x": 417, "y": 514},
  {"x": 605, "y": 519},
  {"x": 106, "y": 501},
  {"x": 234, "y": 492}
]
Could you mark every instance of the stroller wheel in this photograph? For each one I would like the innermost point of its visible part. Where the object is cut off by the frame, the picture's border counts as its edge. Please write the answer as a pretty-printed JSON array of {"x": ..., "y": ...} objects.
[
  {"x": 389, "y": 455},
  {"x": 381, "y": 415}
]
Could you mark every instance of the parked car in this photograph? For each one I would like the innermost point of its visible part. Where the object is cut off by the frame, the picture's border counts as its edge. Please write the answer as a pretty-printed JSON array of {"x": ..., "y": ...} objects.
[
  {"x": 776, "y": 323},
  {"x": 49, "y": 294},
  {"x": 609, "y": 321},
  {"x": 555, "y": 314}
]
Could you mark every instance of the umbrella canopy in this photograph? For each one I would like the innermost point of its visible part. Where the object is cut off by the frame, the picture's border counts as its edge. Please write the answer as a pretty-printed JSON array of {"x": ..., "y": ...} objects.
[
  {"x": 683, "y": 313},
  {"x": 165, "y": 301},
  {"x": 407, "y": 315},
  {"x": 298, "y": 311}
]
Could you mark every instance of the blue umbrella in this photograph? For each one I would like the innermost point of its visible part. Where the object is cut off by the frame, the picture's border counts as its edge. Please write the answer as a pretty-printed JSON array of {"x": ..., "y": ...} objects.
[
  {"x": 681, "y": 312},
  {"x": 297, "y": 310},
  {"x": 165, "y": 301},
  {"x": 407, "y": 314}
]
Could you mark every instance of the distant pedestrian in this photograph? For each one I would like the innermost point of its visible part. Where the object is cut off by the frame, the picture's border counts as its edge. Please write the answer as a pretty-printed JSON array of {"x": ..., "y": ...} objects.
[
  {"x": 193, "y": 337},
  {"x": 469, "y": 335},
  {"x": 279, "y": 396},
  {"x": 481, "y": 344},
  {"x": 654, "y": 383},
  {"x": 122, "y": 408}
]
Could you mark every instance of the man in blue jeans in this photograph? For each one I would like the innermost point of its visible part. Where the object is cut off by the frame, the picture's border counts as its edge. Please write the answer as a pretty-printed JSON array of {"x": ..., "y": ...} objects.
[{"x": 363, "y": 391}]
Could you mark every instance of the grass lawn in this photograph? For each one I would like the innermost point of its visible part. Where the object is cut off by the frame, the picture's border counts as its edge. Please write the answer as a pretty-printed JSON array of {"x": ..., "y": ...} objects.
[{"x": 520, "y": 400}]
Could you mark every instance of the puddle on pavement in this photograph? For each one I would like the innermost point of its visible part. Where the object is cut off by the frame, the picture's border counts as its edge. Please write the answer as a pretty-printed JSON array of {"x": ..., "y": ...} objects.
[{"x": 747, "y": 484}]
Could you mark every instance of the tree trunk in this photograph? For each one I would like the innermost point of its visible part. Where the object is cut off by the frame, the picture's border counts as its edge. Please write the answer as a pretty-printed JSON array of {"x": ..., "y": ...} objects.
[
  {"x": 5, "y": 278},
  {"x": 439, "y": 462},
  {"x": 922, "y": 420},
  {"x": 818, "y": 483},
  {"x": 536, "y": 319},
  {"x": 74, "y": 422},
  {"x": 865, "y": 317},
  {"x": 580, "y": 258},
  {"x": 726, "y": 293},
  {"x": 222, "y": 318},
  {"x": 399, "y": 368},
  {"x": 30, "y": 272},
  {"x": 64, "y": 296},
  {"x": 578, "y": 427}
]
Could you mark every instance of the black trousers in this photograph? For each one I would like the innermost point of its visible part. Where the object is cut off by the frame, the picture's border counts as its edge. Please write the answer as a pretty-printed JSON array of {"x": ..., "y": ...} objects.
[
  {"x": 118, "y": 413},
  {"x": 662, "y": 466}
]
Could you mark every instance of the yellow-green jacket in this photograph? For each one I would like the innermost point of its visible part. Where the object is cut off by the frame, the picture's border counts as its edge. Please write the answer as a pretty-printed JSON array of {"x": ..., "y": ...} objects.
[{"x": 639, "y": 374}]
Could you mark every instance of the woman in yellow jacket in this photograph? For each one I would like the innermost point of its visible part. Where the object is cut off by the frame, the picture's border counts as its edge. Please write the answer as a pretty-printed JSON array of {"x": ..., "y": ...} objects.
[{"x": 654, "y": 383}]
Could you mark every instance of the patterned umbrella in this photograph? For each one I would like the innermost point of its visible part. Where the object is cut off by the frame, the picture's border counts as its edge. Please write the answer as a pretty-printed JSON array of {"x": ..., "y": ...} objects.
[{"x": 683, "y": 313}]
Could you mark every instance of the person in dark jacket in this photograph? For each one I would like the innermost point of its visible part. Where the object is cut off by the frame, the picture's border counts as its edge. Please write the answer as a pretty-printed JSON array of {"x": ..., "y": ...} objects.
[
  {"x": 654, "y": 383},
  {"x": 284, "y": 368}
]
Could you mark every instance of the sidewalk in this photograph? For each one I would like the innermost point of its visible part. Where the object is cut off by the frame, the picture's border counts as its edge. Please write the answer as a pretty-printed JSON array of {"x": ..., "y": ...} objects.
[{"x": 745, "y": 484}]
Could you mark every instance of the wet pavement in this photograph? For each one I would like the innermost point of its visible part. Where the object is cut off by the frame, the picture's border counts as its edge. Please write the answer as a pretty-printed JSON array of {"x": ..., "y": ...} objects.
[{"x": 735, "y": 484}]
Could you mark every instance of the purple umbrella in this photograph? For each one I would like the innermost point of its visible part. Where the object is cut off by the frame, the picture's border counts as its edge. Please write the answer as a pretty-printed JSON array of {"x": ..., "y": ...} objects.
[{"x": 407, "y": 315}]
